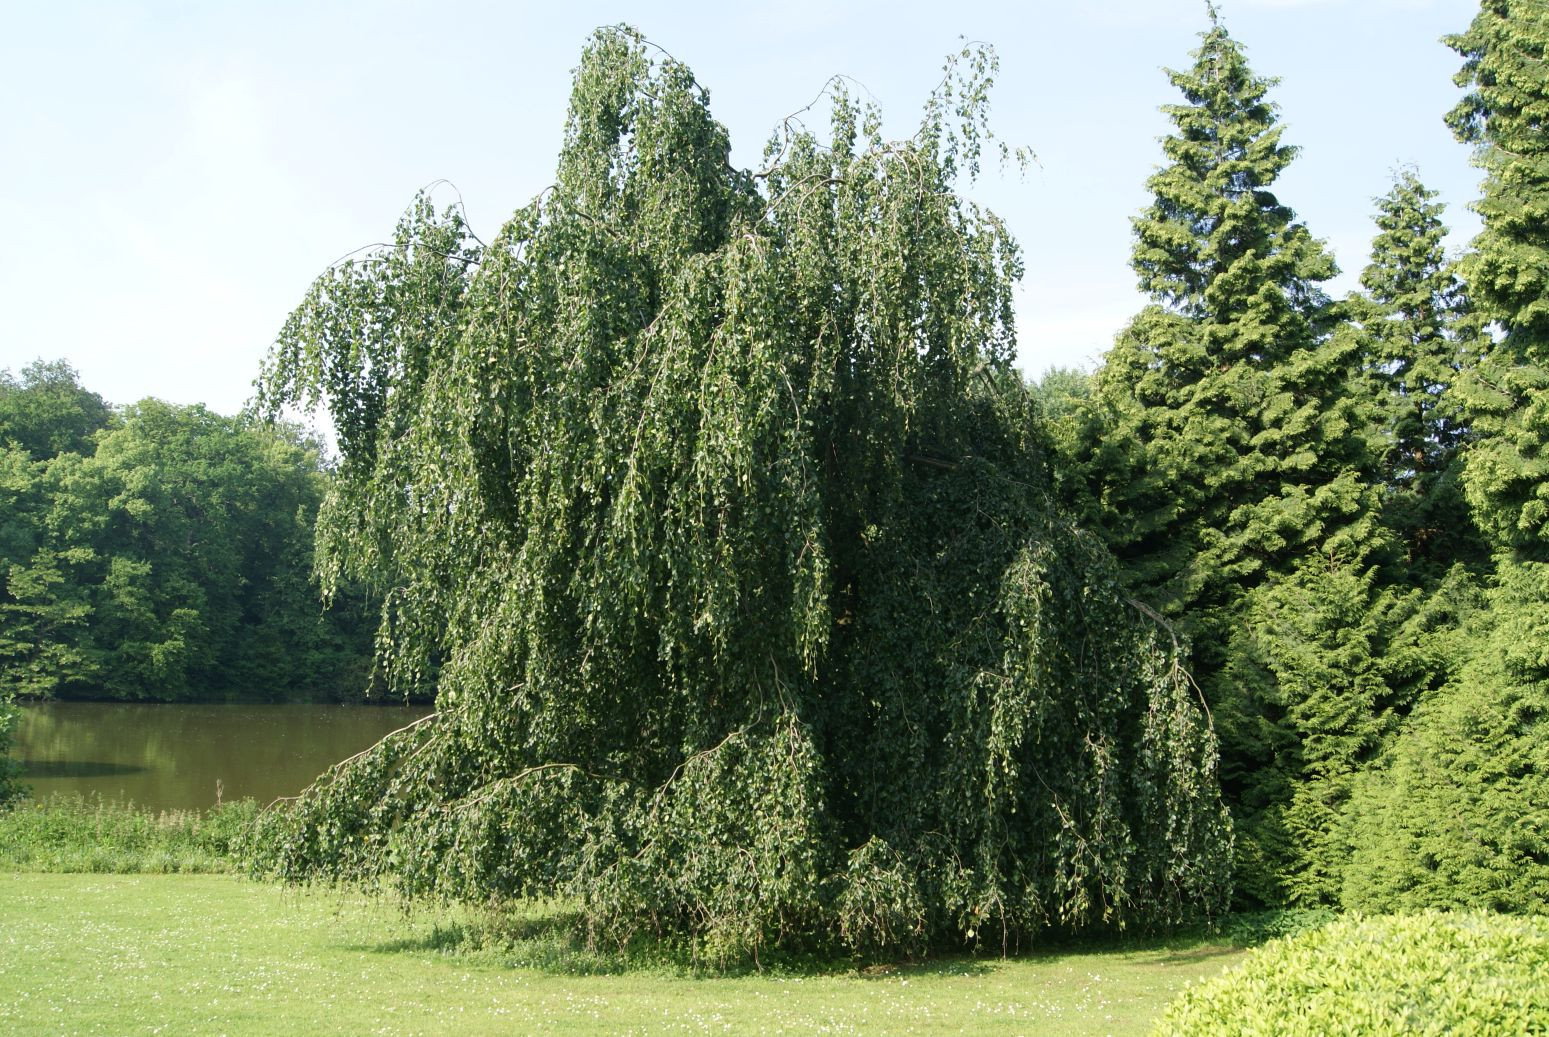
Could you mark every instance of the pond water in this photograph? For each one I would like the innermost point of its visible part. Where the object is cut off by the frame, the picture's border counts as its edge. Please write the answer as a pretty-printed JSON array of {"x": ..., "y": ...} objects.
[{"x": 174, "y": 757}]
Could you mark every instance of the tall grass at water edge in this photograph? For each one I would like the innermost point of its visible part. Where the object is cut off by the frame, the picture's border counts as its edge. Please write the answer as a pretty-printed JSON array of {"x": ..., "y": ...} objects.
[{"x": 73, "y": 833}]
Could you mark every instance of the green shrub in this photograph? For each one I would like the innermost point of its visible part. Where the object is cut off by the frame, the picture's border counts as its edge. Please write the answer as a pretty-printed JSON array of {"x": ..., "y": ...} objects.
[
  {"x": 1251, "y": 928},
  {"x": 1454, "y": 817},
  {"x": 74, "y": 834},
  {"x": 1428, "y": 973}
]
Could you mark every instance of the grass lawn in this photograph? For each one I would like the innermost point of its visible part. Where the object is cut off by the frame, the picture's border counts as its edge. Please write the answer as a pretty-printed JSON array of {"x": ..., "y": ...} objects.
[{"x": 214, "y": 954}]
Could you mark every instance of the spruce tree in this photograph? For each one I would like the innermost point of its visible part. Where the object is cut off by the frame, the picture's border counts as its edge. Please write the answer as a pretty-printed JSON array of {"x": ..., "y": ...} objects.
[
  {"x": 1456, "y": 815},
  {"x": 1231, "y": 377},
  {"x": 1419, "y": 338},
  {"x": 1251, "y": 458},
  {"x": 1505, "y": 117}
]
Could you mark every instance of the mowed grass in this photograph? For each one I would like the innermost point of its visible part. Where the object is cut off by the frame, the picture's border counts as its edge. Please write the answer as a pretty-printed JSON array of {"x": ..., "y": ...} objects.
[{"x": 215, "y": 954}]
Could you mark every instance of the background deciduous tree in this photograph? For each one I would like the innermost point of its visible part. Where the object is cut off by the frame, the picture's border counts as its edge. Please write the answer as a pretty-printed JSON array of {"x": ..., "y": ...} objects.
[
  {"x": 46, "y": 411},
  {"x": 160, "y": 552}
]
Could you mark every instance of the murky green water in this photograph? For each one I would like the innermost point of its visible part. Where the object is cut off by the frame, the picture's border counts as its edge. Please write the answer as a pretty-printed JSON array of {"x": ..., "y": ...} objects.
[{"x": 167, "y": 756}]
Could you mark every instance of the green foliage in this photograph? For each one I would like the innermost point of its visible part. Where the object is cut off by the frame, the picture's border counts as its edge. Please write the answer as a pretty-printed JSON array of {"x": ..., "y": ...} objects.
[
  {"x": 1252, "y": 928},
  {"x": 73, "y": 834},
  {"x": 1428, "y": 973},
  {"x": 1314, "y": 662},
  {"x": 1419, "y": 340},
  {"x": 1228, "y": 461},
  {"x": 48, "y": 412},
  {"x": 11, "y": 787},
  {"x": 1074, "y": 427},
  {"x": 1455, "y": 815},
  {"x": 1507, "y": 474},
  {"x": 1251, "y": 450},
  {"x": 172, "y": 561},
  {"x": 711, "y": 502}
]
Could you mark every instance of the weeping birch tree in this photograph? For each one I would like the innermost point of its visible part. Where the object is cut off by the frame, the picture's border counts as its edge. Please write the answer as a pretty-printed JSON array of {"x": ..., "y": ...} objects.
[{"x": 711, "y": 505}]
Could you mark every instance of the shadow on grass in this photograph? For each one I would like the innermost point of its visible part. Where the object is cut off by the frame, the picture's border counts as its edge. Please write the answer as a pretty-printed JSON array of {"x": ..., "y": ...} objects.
[
  {"x": 551, "y": 938},
  {"x": 545, "y": 941},
  {"x": 945, "y": 966},
  {"x": 555, "y": 945},
  {"x": 1203, "y": 953}
]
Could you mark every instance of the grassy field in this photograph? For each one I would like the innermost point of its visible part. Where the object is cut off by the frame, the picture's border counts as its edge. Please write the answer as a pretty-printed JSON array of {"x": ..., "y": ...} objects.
[{"x": 214, "y": 954}]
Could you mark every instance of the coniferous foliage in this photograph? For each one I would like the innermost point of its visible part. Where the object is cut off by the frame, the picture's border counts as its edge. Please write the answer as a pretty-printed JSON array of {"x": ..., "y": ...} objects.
[
  {"x": 1231, "y": 380},
  {"x": 712, "y": 498},
  {"x": 1419, "y": 340},
  {"x": 1456, "y": 816},
  {"x": 1503, "y": 117},
  {"x": 1233, "y": 470}
]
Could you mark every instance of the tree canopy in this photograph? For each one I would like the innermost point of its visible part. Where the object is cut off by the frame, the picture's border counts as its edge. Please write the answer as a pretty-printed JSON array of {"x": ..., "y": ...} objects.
[
  {"x": 1228, "y": 460},
  {"x": 46, "y": 411},
  {"x": 1455, "y": 813},
  {"x": 165, "y": 554},
  {"x": 1503, "y": 117},
  {"x": 710, "y": 499},
  {"x": 1421, "y": 338}
]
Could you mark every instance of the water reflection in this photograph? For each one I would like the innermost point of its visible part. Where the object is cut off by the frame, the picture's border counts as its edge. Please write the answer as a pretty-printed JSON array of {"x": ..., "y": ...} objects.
[
  {"x": 172, "y": 756},
  {"x": 35, "y": 769}
]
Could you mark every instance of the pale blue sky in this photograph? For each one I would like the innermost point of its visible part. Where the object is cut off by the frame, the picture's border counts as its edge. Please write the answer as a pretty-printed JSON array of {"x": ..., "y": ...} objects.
[{"x": 174, "y": 174}]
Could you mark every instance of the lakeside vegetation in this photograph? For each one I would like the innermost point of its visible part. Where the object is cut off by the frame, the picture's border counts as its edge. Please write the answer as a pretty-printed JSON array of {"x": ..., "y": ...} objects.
[
  {"x": 81, "y": 834},
  {"x": 162, "y": 552}
]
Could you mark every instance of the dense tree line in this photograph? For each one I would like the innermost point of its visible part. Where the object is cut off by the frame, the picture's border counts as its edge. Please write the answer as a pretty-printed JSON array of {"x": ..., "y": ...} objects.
[
  {"x": 158, "y": 552},
  {"x": 1342, "y": 503}
]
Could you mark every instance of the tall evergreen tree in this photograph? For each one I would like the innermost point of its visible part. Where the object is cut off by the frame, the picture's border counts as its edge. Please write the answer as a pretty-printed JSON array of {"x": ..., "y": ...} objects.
[
  {"x": 1251, "y": 461},
  {"x": 1456, "y": 816},
  {"x": 1419, "y": 338},
  {"x": 1505, "y": 116},
  {"x": 1231, "y": 377}
]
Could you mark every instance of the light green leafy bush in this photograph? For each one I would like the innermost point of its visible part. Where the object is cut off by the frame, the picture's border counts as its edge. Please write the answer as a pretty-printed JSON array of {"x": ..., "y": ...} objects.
[{"x": 1428, "y": 973}]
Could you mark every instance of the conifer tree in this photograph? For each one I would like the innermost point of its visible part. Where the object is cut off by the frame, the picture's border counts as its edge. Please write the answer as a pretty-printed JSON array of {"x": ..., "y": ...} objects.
[
  {"x": 1419, "y": 337},
  {"x": 1252, "y": 460},
  {"x": 1455, "y": 817},
  {"x": 1504, "y": 117},
  {"x": 1231, "y": 377}
]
